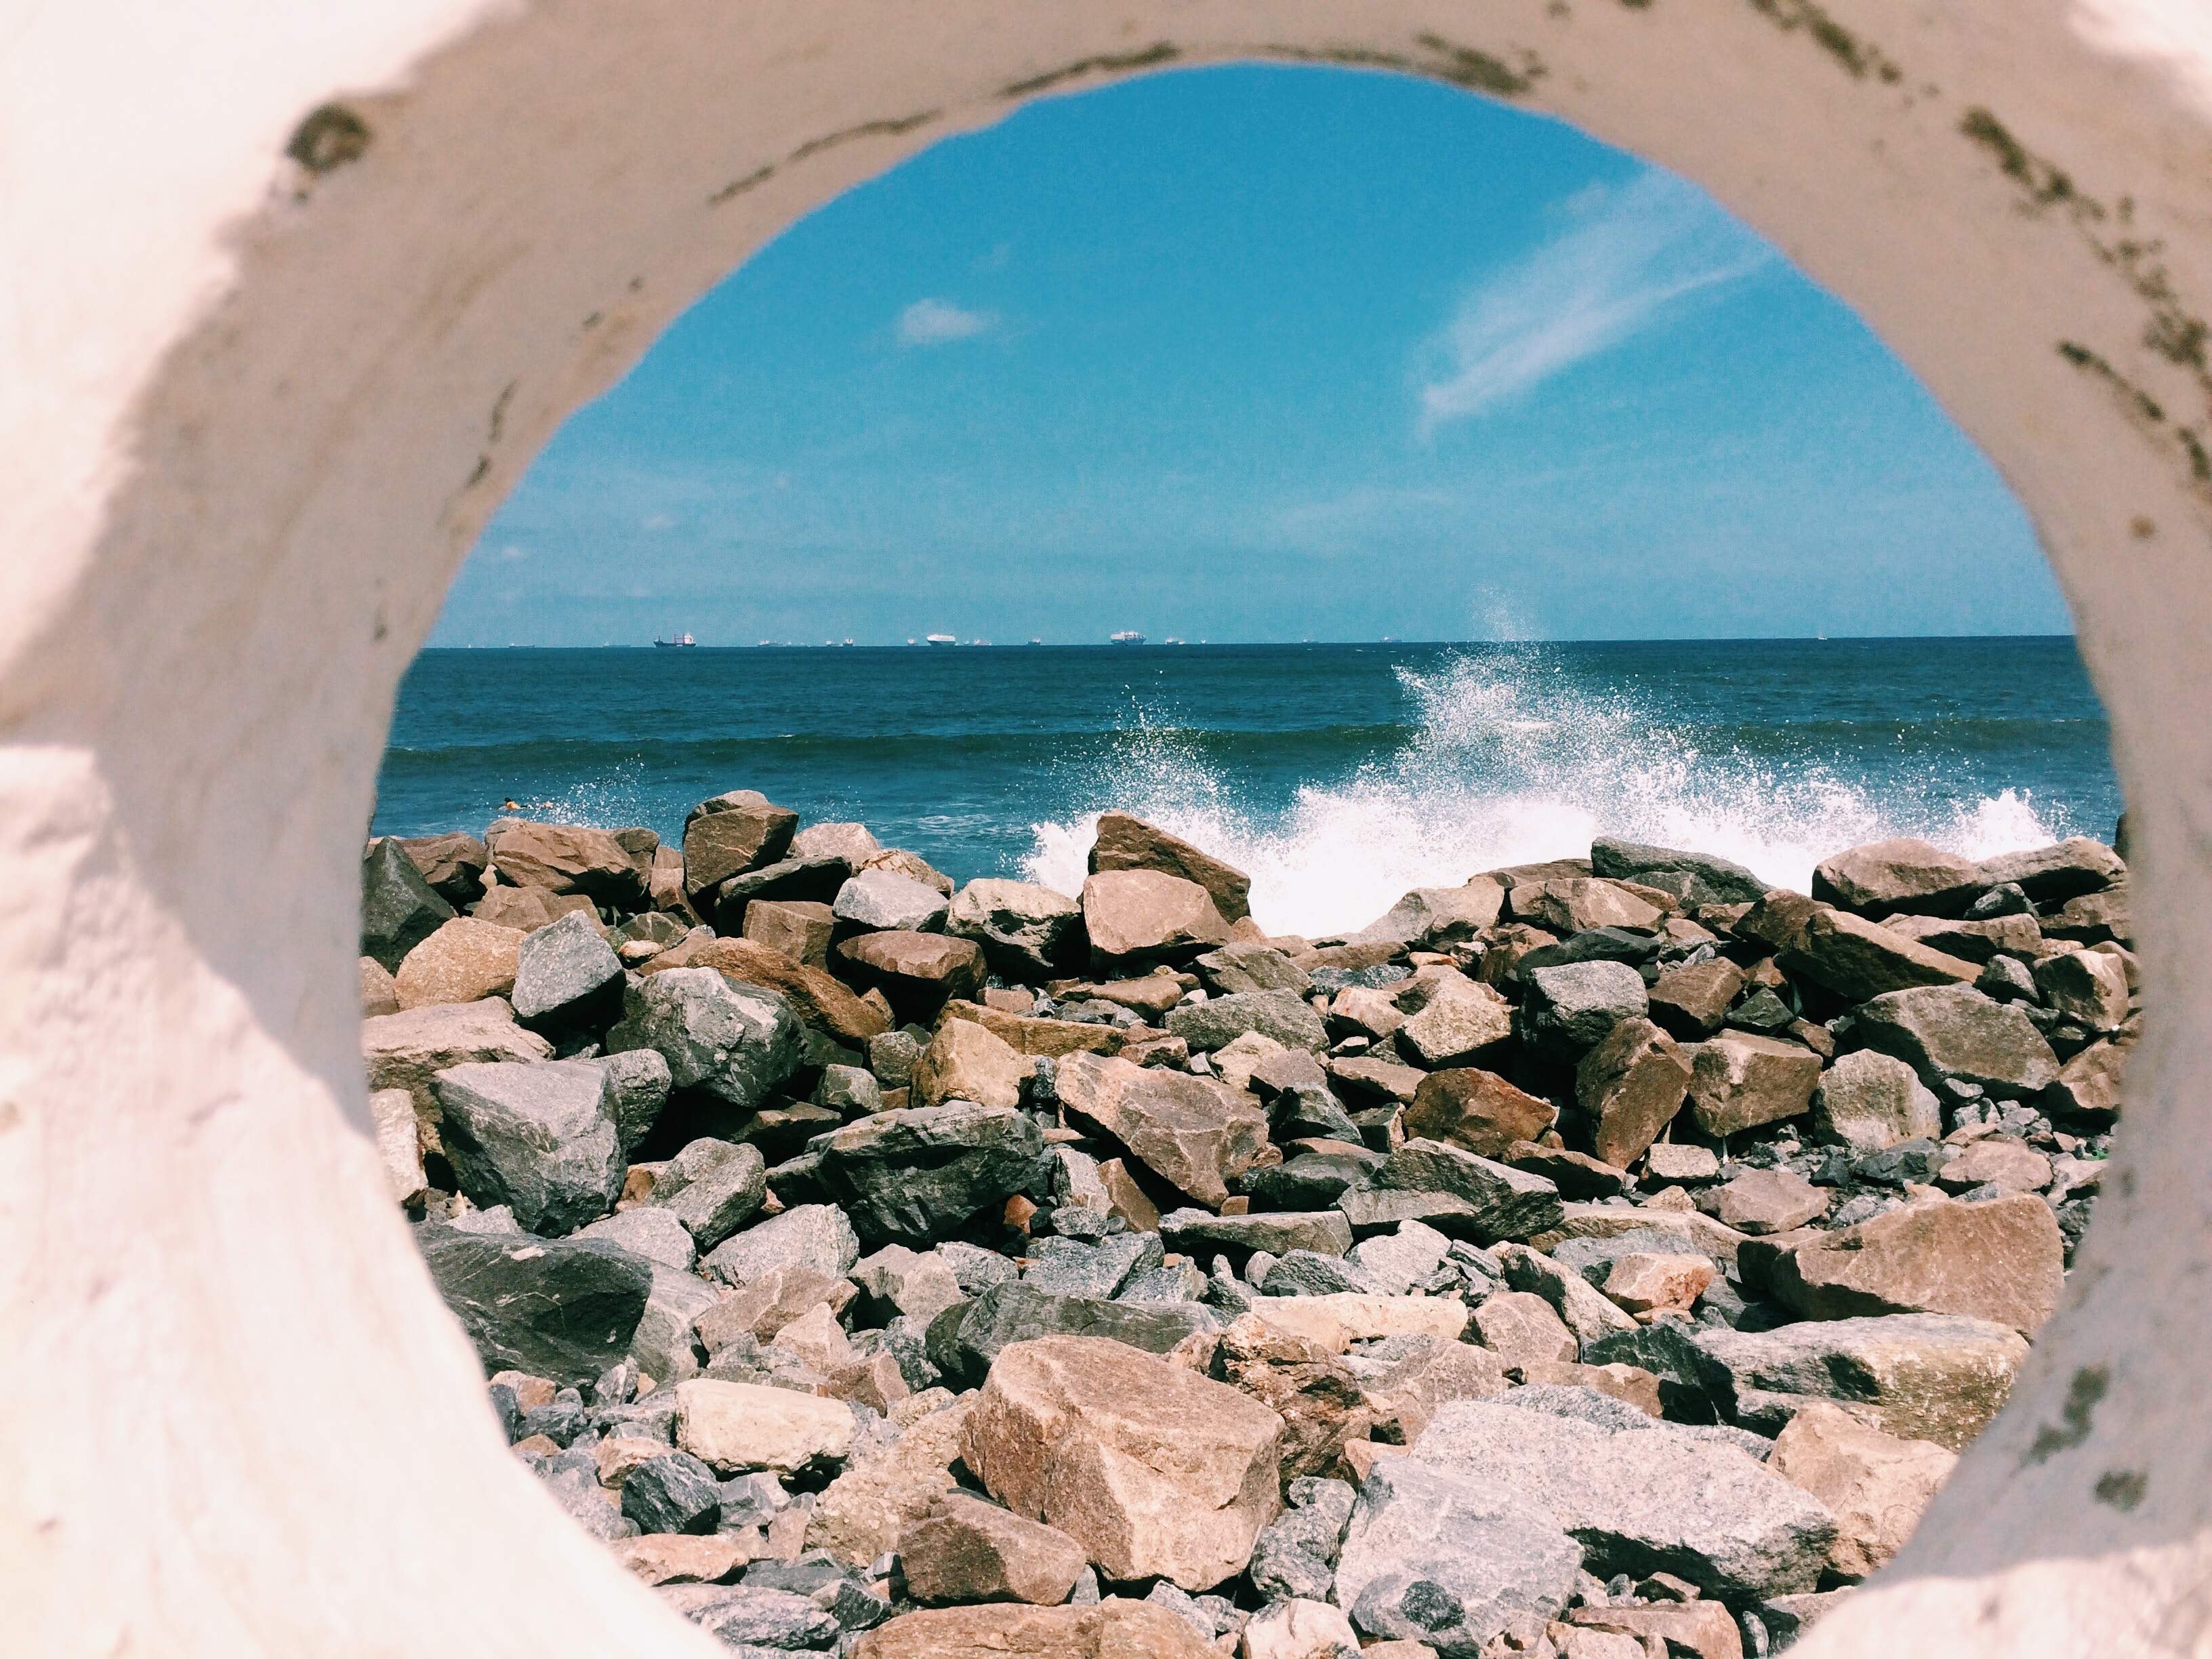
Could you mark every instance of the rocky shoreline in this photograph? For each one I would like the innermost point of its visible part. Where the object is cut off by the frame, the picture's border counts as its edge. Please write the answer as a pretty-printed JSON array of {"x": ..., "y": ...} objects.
[{"x": 1606, "y": 1257}]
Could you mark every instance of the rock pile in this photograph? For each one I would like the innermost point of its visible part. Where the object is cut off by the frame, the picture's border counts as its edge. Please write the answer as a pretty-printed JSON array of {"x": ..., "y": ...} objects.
[{"x": 1603, "y": 1257}]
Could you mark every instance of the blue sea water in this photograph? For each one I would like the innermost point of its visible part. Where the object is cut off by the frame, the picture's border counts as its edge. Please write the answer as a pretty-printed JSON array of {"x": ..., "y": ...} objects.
[{"x": 1338, "y": 775}]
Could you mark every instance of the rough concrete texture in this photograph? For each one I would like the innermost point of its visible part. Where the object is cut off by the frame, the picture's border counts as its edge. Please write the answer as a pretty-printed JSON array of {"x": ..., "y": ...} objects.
[{"x": 254, "y": 414}]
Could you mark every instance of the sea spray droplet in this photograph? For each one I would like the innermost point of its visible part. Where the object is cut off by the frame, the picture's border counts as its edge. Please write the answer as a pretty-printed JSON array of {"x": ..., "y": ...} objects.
[{"x": 1511, "y": 761}]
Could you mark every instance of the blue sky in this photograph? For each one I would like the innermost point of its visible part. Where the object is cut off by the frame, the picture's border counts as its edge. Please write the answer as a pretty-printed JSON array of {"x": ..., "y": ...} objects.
[{"x": 1259, "y": 354}]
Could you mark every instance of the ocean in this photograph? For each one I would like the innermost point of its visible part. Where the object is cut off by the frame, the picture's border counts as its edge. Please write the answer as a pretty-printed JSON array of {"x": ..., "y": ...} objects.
[{"x": 1337, "y": 775}]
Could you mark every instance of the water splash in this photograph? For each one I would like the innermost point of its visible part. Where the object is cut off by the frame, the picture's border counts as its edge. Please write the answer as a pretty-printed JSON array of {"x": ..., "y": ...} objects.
[{"x": 1511, "y": 761}]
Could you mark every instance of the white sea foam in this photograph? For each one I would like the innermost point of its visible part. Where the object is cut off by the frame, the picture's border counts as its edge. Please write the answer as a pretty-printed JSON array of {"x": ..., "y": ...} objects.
[{"x": 1510, "y": 763}]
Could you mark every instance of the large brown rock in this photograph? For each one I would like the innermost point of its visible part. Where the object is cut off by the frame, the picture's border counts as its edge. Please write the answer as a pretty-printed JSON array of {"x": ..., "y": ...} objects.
[
  {"x": 734, "y": 1426},
  {"x": 453, "y": 864},
  {"x": 1929, "y": 1377},
  {"x": 1876, "y": 1485},
  {"x": 1114, "y": 1629},
  {"x": 730, "y": 834},
  {"x": 564, "y": 858},
  {"x": 1126, "y": 842},
  {"x": 1462, "y": 1020},
  {"x": 1025, "y": 1033},
  {"x": 466, "y": 960},
  {"x": 2001, "y": 1260},
  {"x": 865, "y": 1511},
  {"x": 1888, "y": 875},
  {"x": 817, "y": 998},
  {"x": 1521, "y": 1329},
  {"x": 964, "y": 1062},
  {"x": 2087, "y": 1087},
  {"x": 1856, "y": 958},
  {"x": 1192, "y": 1132},
  {"x": 529, "y": 909},
  {"x": 918, "y": 973},
  {"x": 1955, "y": 1031},
  {"x": 1630, "y": 1086},
  {"x": 1574, "y": 904},
  {"x": 1430, "y": 918},
  {"x": 1739, "y": 1080},
  {"x": 2051, "y": 875},
  {"x": 799, "y": 928},
  {"x": 379, "y": 992},
  {"x": 971, "y": 1551},
  {"x": 1154, "y": 1471},
  {"x": 1134, "y": 917},
  {"x": 2087, "y": 985},
  {"x": 1973, "y": 941},
  {"x": 1763, "y": 1202},
  {"x": 2011, "y": 1165},
  {"x": 1692, "y": 1000},
  {"x": 1321, "y": 1405},
  {"x": 1869, "y": 1101},
  {"x": 1477, "y": 1110}
]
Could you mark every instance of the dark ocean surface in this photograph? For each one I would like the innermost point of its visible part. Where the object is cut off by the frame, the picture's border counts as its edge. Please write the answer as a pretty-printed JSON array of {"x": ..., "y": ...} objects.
[{"x": 1338, "y": 776}]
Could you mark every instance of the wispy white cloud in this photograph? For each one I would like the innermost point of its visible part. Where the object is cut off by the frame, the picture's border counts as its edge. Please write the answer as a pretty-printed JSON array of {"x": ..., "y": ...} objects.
[
  {"x": 1626, "y": 256},
  {"x": 934, "y": 322}
]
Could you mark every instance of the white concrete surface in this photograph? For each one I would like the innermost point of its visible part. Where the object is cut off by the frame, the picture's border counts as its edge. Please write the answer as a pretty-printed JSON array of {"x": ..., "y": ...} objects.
[{"x": 251, "y": 419}]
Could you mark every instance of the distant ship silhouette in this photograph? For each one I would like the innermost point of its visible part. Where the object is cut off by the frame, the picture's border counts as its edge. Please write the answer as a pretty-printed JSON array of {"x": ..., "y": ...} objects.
[
  {"x": 1126, "y": 636},
  {"x": 680, "y": 640}
]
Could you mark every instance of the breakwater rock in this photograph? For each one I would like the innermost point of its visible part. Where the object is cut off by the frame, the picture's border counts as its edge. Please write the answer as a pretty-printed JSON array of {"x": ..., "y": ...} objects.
[{"x": 1600, "y": 1254}]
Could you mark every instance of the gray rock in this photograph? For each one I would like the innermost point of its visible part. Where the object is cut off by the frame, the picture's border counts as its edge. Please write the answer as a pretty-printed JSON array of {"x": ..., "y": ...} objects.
[
  {"x": 752, "y": 1620},
  {"x": 1282, "y": 1570},
  {"x": 1588, "y": 1315},
  {"x": 1182, "y": 1282},
  {"x": 539, "y": 1138},
  {"x": 1642, "y": 1502},
  {"x": 1392, "y": 1263},
  {"x": 1869, "y": 1101},
  {"x": 674, "y": 1492},
  {"x": 880, "y": 901},
  {"x": 1603, "y": 1410},
  {"x": 1568, "y": 1010},
  {"x": 1509, "y": 1203},
  {"x": 1305, "y": 1273},
  {"x": 1282, "y": 1015},
  {"x": 713, "y": 1188},
  {"x": 1026, "y": 932},
  {"x": 911, "y": 1176},
  {"x": 1695, "y": 879},
  {"x": 497, "y": 1221},
  {"x": 638, "y": 1082},
  {"x": 653, "y": 1234},
  {"x": 1196, "y": 1232},
  {"x": 398, "y": 909},
  {"x": 737, "y": 1044},
  {"x": 2051, "y": 875},
  {"x": 893, "y": 1056},
  {"x": 1061, "y": 1267},
  {"x": 572, "y": 1481},
  {"x": 1239, "y": 967},
  {"x": 975, "y": 1268},
  {"x": 568, "y": 974},
  {"x": 1918, "y": 1376},
  {"x": 1374, "y": 1210},
  {"x": 665, "y": 1345},
  {"x": 1444, "y": 1556},
  {"x": 849, "y": 1092},
  {"x": 965, "y": 1339},
  {"x": 1593, "y": 1258},
  {"x": 560, "y": 1308},
  {"x": 1310, "y": 1180},
  {"x": 1953, "y": 1031},
  {"x": 816, "y": 1237}
]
